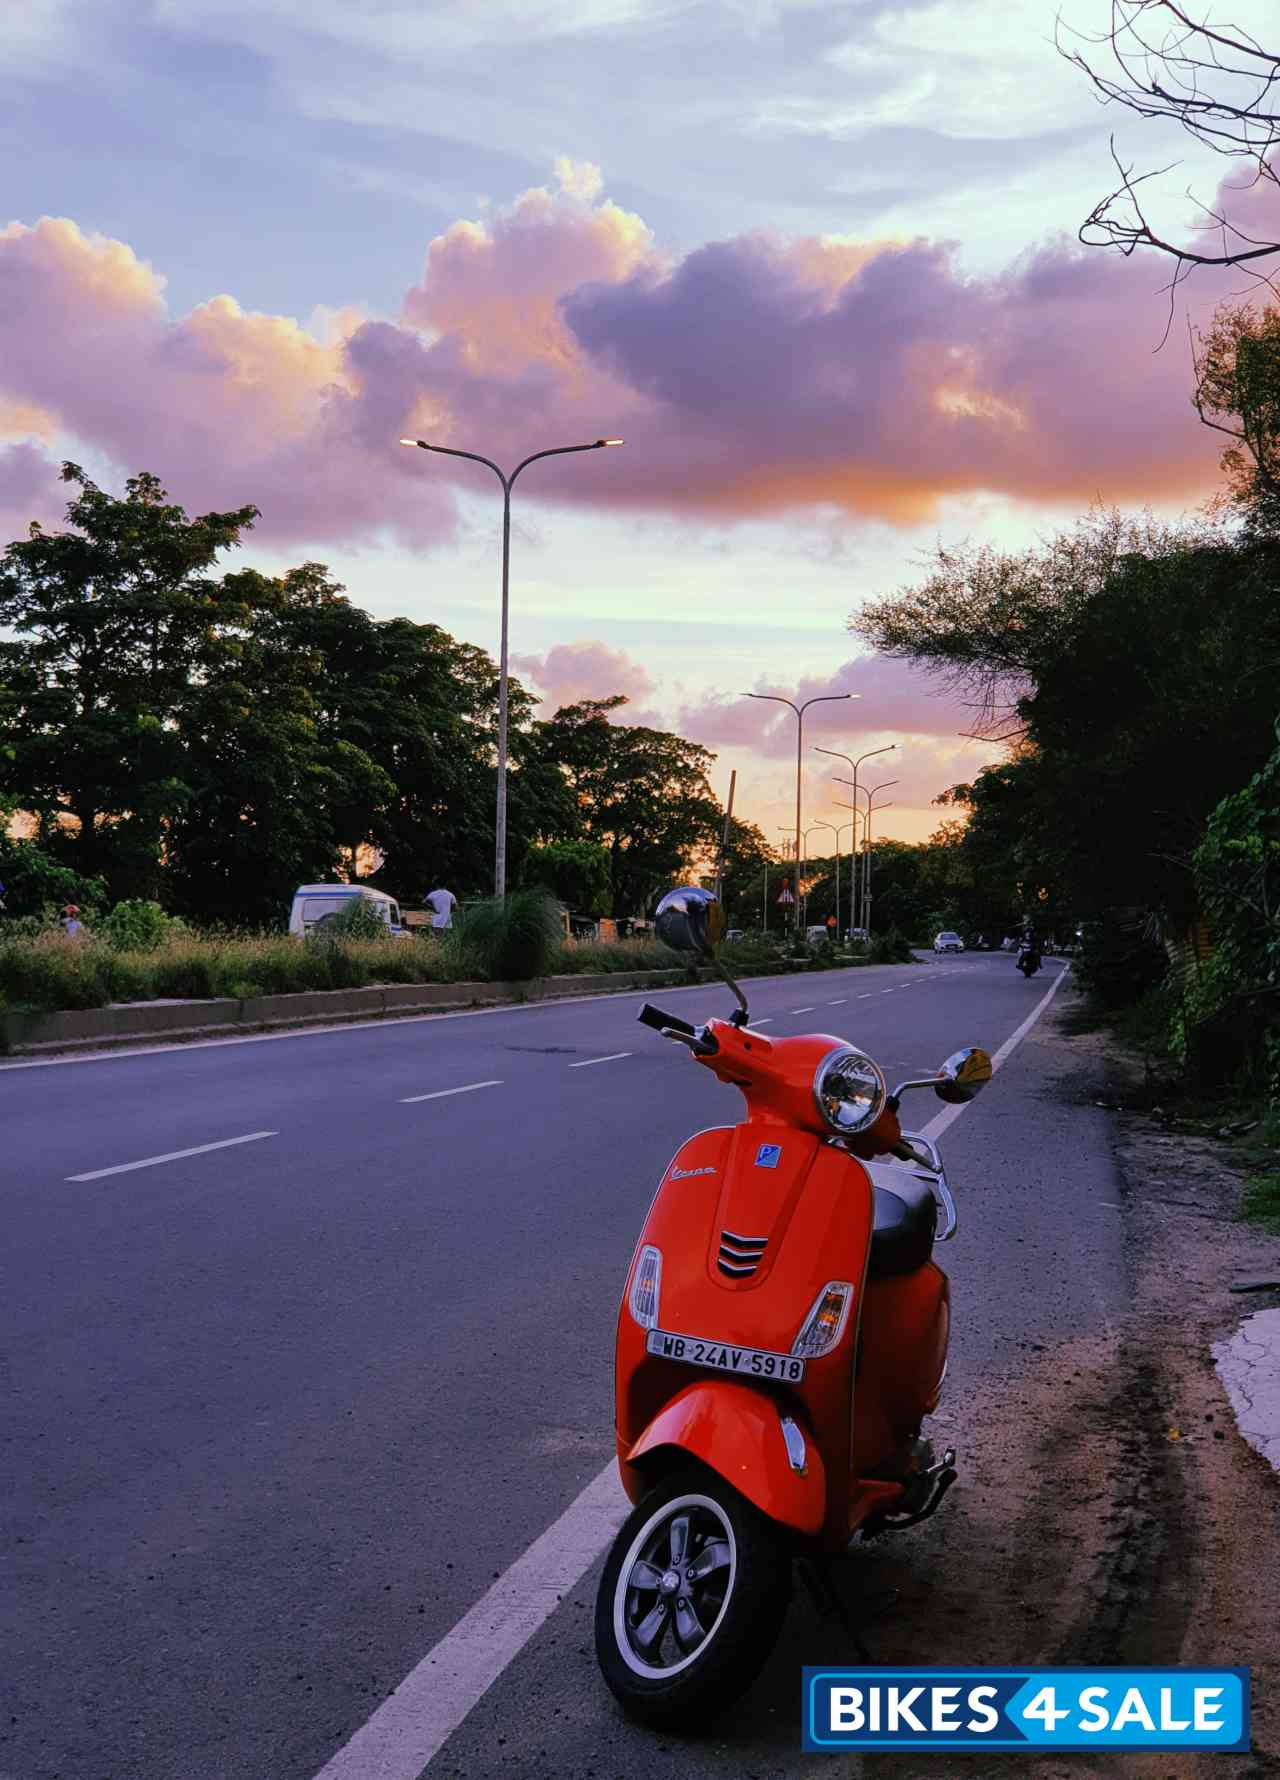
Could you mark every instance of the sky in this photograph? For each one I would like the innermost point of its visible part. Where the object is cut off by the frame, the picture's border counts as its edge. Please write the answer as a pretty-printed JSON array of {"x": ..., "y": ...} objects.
[{"x": 815, "y": 262}]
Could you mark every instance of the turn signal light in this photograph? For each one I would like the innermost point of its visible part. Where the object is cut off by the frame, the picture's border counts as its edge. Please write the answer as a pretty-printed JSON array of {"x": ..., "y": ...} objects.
[
  {"x": 645, "y": 1286},
  {"x": 825, "y": 1323}
]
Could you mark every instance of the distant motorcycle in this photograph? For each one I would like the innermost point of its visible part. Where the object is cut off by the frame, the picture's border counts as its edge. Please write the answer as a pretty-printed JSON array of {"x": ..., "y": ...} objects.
[{"x": 1028, "y": 959}]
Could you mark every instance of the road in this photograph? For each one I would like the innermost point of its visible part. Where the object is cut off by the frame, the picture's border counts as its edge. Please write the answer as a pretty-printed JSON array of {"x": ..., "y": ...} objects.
[{"x": 283, "y": 1411}]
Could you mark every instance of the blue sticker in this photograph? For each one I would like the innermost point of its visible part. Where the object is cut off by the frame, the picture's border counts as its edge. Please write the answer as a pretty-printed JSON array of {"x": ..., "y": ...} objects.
[{"x": 768, "y": 1155}]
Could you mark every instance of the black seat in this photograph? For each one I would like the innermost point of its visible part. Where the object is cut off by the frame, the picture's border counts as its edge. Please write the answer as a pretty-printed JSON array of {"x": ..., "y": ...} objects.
[{"x": 905, "y": 1220}]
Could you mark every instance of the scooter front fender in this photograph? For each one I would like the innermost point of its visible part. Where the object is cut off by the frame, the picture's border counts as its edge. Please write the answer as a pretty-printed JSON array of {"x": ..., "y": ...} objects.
[{"x": 738, "y": 1432}]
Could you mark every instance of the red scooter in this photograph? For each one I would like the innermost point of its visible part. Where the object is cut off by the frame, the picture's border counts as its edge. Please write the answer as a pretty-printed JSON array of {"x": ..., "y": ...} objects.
[{"x": 783, "y": 1333}]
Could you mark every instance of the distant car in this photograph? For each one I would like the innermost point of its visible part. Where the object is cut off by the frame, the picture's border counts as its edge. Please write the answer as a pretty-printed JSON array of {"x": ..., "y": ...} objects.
[
  {"x": 734, "y": 933},
  {"x": 319, "y": 905},
  {"x": 858, "y": 936},
  {"x": 817, "y": 935},
  {"x": 948, "y": 942}
]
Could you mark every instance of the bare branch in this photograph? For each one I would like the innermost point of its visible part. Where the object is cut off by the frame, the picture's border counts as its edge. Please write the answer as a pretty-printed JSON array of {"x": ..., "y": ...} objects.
[{"x": 1220, "y": 85}]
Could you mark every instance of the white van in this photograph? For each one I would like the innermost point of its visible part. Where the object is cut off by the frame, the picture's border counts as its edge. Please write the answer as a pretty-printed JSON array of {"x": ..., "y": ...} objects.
[{"x": 316, "y": 904}]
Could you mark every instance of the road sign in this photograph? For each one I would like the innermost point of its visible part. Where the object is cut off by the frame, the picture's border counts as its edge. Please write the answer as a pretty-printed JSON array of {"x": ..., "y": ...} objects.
[{"x": 784, "y": 894}]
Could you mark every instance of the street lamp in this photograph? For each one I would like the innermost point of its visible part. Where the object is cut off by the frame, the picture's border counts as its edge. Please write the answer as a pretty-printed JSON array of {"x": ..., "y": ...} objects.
[
  {"x": 837, "y": 831},
  {"x": 822, "y": 699},
  {"x": 866, "y": 841},
  {"x": 500, "y": 836},
  {"x": 855, "y": 764},
  {"x": 853, "y": 859}
]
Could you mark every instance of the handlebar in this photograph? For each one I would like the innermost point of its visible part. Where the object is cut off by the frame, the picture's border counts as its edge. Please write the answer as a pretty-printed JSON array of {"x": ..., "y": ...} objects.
[
  {"x": 650, "y": 1015},
  {"x": 672, "y": 1026}
]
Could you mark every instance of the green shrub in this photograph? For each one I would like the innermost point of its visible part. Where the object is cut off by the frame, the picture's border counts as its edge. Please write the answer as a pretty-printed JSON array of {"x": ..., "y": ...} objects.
[
  {"x": 360, "y": 919},
  {"x": 889, "y": 948},
  {"x": 516, "y": 938},
  {"x": 137, "y": 926}
]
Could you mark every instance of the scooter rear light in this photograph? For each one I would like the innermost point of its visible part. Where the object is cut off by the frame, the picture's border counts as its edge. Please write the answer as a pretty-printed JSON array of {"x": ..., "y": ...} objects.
[
  {"x": 645, "y": 1287},
  {"x": 825, "y": 1323}
]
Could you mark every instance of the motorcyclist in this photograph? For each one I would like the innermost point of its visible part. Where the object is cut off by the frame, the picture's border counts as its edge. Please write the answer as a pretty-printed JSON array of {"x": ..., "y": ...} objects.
[{"x": 1029, "y": 959}]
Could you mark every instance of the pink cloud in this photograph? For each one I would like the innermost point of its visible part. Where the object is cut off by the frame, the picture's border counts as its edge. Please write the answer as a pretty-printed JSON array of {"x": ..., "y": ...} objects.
[
  {"x": 894, "y": 700},
  {"x": 751, "y": 376},
  {"x": 570, "y": 672}
]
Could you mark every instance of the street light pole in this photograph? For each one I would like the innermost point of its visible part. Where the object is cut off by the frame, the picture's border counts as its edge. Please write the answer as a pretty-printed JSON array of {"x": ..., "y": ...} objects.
[
  {"x": 853, "y": 858},
  {"x": 837, "y": 831},
  {"x": 855, "y": 764},
  {"x": 822, "y": 699},
  {"x": 500, "y": 823},
  {"x": 866, "y": 839}
]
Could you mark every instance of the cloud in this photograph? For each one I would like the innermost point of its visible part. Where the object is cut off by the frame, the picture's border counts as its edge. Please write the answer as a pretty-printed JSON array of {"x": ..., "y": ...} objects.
[
  {"x": 570, "y": 672},
  {"x": 752, "y": 376},
  {"x": 893, "y": 700}
]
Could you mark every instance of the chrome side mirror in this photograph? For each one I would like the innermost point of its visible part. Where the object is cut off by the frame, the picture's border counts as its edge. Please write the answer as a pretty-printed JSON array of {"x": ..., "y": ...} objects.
[
  {"x": 690, "y": 920},
  {"x": 962, "y": 1075}
]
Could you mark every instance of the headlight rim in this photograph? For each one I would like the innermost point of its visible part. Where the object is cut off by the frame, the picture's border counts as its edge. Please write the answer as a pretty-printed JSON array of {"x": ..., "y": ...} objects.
[{"x": 824, "y": 1064}]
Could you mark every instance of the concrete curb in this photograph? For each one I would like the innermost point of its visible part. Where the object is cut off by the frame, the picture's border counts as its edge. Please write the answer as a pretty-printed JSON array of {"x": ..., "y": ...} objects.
[{"x": 146, "y": 1022}]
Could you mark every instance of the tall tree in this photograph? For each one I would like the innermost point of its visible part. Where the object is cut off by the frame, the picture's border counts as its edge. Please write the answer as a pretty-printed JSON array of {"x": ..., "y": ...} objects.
[
  {"x": 642, "y": 793},
  {"x": 110, "y": 623}
]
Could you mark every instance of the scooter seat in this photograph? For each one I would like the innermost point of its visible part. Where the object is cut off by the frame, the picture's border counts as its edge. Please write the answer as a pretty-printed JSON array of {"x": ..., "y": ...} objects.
[{"x": 902, "y": 1237}]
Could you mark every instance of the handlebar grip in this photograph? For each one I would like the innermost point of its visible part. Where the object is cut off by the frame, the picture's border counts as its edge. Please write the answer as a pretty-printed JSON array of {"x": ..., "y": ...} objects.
[{"x": 654, "y": 1017}]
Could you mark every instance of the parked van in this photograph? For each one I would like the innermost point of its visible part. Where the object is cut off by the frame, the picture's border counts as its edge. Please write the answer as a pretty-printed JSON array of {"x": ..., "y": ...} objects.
[{"x": 315, "y": 905}]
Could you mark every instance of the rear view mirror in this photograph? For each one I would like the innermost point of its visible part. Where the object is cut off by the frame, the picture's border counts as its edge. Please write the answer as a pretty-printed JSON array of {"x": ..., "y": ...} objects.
[
  {"x": 690, "y": 920},
  {"x": 962, "y": 1075}
]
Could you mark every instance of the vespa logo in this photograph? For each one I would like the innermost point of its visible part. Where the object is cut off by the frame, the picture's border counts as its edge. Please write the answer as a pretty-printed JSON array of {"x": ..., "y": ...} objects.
[
  {"x": 688, "y": 1173},
  {"x": 768, "y": 1155}
]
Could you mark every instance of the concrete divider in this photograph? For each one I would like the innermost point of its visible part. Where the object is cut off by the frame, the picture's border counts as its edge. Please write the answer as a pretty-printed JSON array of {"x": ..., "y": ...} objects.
[
  {"x": 165, "y": 1022},
  {"x": 161, "y": 1022}
]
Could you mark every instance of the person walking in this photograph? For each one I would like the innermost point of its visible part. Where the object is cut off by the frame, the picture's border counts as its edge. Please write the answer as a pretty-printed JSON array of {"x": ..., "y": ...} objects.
[
  {"x": 71, "y": 922},
  {"x": 442, "y": 904}
]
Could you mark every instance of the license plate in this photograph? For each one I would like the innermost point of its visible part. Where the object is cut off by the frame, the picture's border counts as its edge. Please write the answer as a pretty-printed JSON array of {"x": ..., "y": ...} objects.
[{"x": 743, "y": 1362}]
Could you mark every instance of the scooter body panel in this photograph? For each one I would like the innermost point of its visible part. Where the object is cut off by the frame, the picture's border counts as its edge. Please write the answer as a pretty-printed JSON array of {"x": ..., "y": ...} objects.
[
  {"x": 810, "y": 1203},
  {"x": 736, "y": 1430}
]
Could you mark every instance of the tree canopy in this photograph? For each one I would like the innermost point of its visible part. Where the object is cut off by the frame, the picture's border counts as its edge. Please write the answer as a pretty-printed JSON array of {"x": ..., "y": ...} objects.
[{"x": 212, "y": 737}]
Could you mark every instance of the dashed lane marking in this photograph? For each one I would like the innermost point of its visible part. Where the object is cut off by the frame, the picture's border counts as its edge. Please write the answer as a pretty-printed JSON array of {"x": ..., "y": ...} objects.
[
  {"x": 444, "y": 1093},
  {"x": 199, "y": 1149},
  {"x": 613, "y": 1057}
]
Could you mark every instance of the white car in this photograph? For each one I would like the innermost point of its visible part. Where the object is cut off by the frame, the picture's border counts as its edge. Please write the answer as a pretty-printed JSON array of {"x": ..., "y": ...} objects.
[
  {"x": 315, "y": 905},
  {"x": 948, "y": 942}
]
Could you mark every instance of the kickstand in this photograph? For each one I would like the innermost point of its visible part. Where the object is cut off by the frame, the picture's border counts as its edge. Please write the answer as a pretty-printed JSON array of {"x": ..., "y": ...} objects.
[{"x": 828, "y": 1601}]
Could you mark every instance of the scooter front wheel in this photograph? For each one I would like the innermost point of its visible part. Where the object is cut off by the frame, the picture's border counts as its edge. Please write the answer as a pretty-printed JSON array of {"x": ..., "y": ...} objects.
[{"x": 692, "y": 1596}]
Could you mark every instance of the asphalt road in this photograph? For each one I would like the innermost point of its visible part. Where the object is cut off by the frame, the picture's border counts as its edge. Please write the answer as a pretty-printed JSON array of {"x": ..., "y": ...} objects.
[{"x": 278, "y": 1414}]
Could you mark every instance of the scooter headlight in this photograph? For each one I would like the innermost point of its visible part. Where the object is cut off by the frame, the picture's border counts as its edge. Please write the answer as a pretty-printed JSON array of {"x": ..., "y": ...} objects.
[
  {"x": 850, "y": 1090},
  {"x": 645, "y": 1287}
]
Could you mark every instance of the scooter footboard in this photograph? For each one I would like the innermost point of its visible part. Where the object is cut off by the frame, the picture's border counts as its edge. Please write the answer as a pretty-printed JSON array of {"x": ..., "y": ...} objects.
[{"x": 744, "y": 1436}]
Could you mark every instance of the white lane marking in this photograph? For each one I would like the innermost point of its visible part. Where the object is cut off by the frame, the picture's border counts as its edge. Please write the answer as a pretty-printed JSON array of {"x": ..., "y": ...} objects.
[
  {"x": 866, "y": 996},
  {"x": 802, "y": 1010},
  {"x": 407, "y": 1729},
  {"x": 435, "y": 1696},
  {"x": 889, "y": 991},
  {"x": 949, "y": 1114},
  {"x": 767, "y": 1021},
  {"x": 839, "y": 1001},
  {"x": 199, "y": 1149},
  {"x": 444, "y": 1093},
  {"x": 613, "y": 1057}
]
